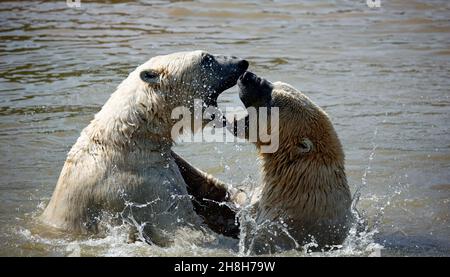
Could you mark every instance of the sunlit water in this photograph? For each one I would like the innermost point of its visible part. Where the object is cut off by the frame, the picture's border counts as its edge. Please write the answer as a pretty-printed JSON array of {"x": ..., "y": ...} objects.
[{"x": 381, "y": 74}]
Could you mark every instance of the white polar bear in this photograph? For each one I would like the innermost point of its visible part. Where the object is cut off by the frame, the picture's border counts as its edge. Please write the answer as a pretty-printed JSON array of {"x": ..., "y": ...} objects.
[{"x": 122, "y": 161}]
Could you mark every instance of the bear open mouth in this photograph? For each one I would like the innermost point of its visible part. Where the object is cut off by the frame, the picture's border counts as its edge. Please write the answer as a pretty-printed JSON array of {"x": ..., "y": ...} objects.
[{"x": 232, "y": 79}]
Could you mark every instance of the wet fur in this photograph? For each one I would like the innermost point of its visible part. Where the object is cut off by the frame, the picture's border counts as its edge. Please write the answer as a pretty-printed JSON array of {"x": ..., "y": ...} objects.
[
  {"x": 305, "y": 192},
  {"x": 122, "y": 162}
]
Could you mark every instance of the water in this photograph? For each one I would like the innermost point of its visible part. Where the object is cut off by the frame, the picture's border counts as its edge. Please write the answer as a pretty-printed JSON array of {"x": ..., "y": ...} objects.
[{"x": 381, "y": 74}]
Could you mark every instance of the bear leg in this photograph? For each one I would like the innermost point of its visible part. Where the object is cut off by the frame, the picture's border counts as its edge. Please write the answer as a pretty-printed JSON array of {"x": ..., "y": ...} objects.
[{"x": 212, "y": 199}]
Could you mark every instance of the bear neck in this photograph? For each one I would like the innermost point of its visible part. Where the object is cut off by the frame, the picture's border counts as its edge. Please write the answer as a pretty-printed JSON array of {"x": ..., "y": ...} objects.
[
  {"x": 135, "y": 117},
  {"x": 315, "y": 187}
]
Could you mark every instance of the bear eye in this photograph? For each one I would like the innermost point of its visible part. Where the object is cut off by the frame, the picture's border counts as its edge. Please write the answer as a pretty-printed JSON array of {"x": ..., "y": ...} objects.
[
  {"x": 149, "y": 76},
  {"x": 305, "y": 146}
]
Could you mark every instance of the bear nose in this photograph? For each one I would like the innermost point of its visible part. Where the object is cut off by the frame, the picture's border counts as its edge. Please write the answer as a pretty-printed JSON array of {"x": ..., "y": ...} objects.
[
  {"x": 253, "y": 90},
  {"x": 247, "y": 76},
  {"x": 243, "y": 65}
]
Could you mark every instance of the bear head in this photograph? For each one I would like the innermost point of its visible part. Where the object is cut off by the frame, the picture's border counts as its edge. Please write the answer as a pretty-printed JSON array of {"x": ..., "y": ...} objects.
[
  {"x": 305, "y": 132},
  {"x": 184, "y": 76}
]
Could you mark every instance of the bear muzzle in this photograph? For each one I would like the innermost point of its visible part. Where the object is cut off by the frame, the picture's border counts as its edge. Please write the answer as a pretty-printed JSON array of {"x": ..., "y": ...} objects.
[
  {"x": 226, "y": 70},
  {"x": 254, "y": 91},
  {"x": 230, "y": 68}
]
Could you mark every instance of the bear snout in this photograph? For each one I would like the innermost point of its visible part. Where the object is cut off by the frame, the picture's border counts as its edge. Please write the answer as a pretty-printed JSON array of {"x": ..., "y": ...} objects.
[
  {"x": 230, "y": 61},
  {"x": 246, "y": 77},
  {"x": 253, "y": 90},
  {"x": 243, "y": 65},
  {"x": 237, "y": 66},
  {"x": 229, "y": 68}
]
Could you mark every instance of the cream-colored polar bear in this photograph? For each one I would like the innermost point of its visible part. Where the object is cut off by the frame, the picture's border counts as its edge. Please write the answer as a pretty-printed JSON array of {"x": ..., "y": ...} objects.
[
  {"x": 122, "y": 161},
  {"x": 305, "y": 196}
]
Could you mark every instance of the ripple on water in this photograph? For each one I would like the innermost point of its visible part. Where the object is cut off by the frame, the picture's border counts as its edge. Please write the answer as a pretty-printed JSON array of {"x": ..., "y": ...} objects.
[{"x": 385, "y": 70}]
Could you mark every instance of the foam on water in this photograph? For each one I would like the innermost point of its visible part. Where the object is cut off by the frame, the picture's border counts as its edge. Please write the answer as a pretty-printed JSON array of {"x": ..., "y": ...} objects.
[{"x": 114, "y": 240}]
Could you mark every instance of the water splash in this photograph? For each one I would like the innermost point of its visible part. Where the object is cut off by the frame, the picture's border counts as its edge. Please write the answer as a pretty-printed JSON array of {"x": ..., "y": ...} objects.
[{"x": 115, "y": 240}]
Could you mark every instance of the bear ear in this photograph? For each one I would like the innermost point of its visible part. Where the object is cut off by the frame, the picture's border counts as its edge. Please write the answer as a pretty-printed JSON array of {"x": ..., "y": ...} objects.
[
  {"x": 150, "y": 76},
  {"x": 305, "y": 145}
]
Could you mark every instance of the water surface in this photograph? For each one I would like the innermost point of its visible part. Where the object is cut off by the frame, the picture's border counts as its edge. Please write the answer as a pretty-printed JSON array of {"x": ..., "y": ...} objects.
[{"x": 381, "y": 74}]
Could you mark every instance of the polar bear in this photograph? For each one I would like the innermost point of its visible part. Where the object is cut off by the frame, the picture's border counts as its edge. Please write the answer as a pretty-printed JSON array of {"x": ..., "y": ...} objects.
[
  {"x": 122, "y": 161},
  {"x": 305, "y": 196}
]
